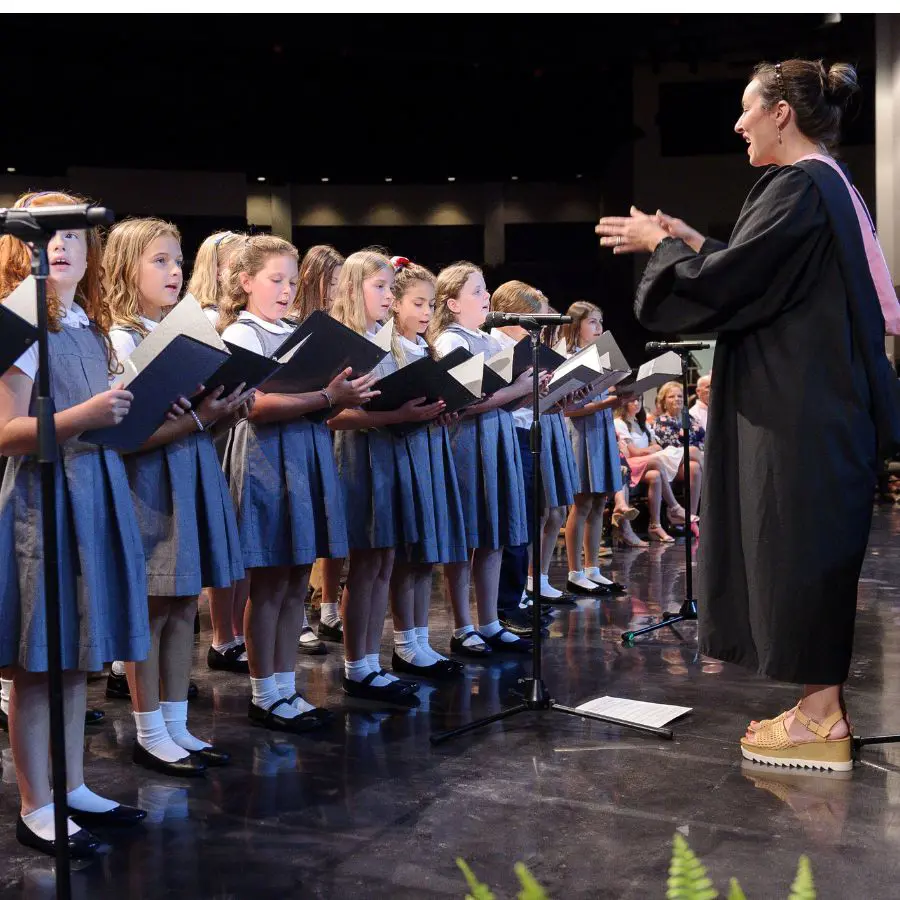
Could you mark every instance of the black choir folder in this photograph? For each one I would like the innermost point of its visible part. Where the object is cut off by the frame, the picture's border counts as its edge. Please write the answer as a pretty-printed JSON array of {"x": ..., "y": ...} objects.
[
  {"x": 18, "y": 318},
  {"x": 183, "y": 351},
  {"x": 548, "y": 360},
  {"x": 317, "y": 351},
  {"x": 241, "y": 367}
]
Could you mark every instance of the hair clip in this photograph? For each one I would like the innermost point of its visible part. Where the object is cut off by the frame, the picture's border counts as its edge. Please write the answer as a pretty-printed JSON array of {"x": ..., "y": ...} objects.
[
  {"x": 221, "y": 237},
  {"x": 399, "y": 262},
  {"x": 779, "y": 81}
]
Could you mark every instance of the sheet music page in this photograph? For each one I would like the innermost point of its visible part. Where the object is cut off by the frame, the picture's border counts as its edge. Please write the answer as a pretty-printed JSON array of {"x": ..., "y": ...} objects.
[
  {"x": 469, "y": 374},
  {"x": 23, "y": 301},
  {"x": 502, "y": 363},
  {"x": 187, "y": 318},
  {"x": 290, "y": 354},
  {"x": 656, "y": 715},
  {"x": 385, "y": 336}
]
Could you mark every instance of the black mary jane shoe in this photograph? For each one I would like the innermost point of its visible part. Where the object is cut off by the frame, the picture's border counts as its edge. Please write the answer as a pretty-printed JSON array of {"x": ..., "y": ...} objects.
[
  {"x": 229, "y": 661},
  {"x": 82, "y": 844},
  {"x": 319, "y": 713},
  {"x": 213, "y": 757},
  {"x": 498, "y": 645},
  {"x": 441, "y": 670},
  {"x": 598, "y": 590},
  {"x": 406, "y": 682},
  {"x": 395, "y": 692},
  {"x": 120, "y": 816},
  {"x": 269, "y": 718},
  {"x": 189, "y": 767},
  {"x": 94, "y": 716},
  {"x": 117, "y": 688},
  {"x": 333, "y": 633},
  {"x": 478, "y": 651},
  {"x": 314, "y": 647}
]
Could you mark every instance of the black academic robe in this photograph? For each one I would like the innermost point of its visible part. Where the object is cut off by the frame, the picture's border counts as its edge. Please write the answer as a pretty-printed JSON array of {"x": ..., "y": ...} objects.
[{"x": 800, "y": 402}]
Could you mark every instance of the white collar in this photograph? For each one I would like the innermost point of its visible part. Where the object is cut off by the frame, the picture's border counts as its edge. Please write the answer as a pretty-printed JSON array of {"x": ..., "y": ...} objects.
[
  {"x": 149, "y": 324},
  {"x": 407, "y": 343},
  {"x": 76, "y": 317},
  {"x": 279, "y": 327}
]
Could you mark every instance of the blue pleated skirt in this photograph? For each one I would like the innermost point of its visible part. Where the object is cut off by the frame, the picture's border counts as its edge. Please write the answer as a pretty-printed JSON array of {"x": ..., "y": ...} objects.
[
  {"x": 286, "y": 492},
  {"x": 559, "y": 474},
  {"x": 596, "y": 453},
  {"x": 491, "y": 487}
]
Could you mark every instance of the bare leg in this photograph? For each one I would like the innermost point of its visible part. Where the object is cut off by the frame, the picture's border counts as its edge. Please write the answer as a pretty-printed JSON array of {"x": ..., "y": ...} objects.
[
  {"x": 552, "y": 523},
  {"x": 270, "y": 586},
  {"x": 379, "y": 606},
  {"x": 654, "y": 482},
  {"x": 486, "y": 574},
  {"x": 365, "y": 568},
  {"x": 422, "y": 595},
  {"x": 29, "y": 738},
  {"x": 457, "y": 579},
  {"x": 221, "y": 615},
  {"x": 75, "y": 706},
  {"x": 403, "y": 596},
  {"x": 176, "y": 649},
  {"x": 331, "y": 581},
  {"x": 290, "y": 619},
  {"x": 575, "y": 527},
  {"x": 143, "y": 677},
  {"x": 593, "y": 531},
  {"x": 239, "y": 606}
]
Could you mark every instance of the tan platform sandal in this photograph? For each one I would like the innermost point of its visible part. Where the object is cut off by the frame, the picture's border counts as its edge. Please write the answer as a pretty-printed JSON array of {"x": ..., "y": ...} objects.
[{"x": 773, "y": 745}]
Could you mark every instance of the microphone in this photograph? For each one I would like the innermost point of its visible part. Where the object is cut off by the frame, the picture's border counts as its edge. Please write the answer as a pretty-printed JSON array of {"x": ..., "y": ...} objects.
[
  {"x": 531, "y": 321},
  {"x": 677, "y": 346},
  {"x": 33, "y": 221}
]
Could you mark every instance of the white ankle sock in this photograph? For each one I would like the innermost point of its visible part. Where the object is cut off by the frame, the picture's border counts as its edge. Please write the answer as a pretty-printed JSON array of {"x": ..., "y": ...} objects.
[
  {"x": 593, "y": 574},
  {"x": 330, "y": 614},
  {"x": 240, "y": 639},
  {"x": 425, "y": 644},
  {"x": 492, "y": 628},
  {"x": 118, "y": 669},
  {"x": 221, "y": 648},
  {"x": 5, "y": 692},
  {"x": 85, "y": 800},
  {"x": 287, "y": 685},
  {"x": 469, "y": 636},
  {"x": 358, "y": 669},
  {"x": 41, "y": 823},
  {"x": 175, "y": 716},
  {"x": 374, "y": 660},
  {"x": 154, "y": 737},
  {"x": 547, "y": 590},
  {"x": 406, "y": 643},
  {"x": 266, "y": 694},
  {"x": 581, "y": 580},
  {"x": 308, "y": 636}
]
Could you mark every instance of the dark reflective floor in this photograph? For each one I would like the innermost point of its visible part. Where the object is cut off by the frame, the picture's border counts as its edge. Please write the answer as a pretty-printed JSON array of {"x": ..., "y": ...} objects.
[{"x": 369, "y": 809}]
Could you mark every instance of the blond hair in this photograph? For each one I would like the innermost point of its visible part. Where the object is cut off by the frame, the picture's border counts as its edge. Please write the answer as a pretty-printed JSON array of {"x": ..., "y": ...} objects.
[
  {"x": 126, "y": 243},
  {"x": 212, "y": 256},
  {"x": 250, "y": 259},
  {"x": 517, "y": 297},
  {"x": 663, "y": 393},
  {"x": 407, "y": 274},
  {"x": 450, "y": 282},
  {"x": 349, "y": 306},
  {"x": 579, "y": 311}
]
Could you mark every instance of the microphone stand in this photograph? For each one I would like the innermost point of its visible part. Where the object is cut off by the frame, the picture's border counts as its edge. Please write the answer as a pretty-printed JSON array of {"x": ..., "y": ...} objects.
[
  {"x": 536, "y": 696},
  {"x": 688, "y": 610}
]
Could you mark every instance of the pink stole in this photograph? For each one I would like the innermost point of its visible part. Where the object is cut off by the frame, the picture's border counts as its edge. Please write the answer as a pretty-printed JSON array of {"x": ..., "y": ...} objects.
[{"x": 881, "y": 276}]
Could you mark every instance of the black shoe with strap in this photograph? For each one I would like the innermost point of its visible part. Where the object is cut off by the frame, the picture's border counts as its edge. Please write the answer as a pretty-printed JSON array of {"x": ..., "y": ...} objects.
[
  {"x": 319, "y": 713},
  {"x": 395, "y": 692},
  {"x": 82, "y": 844},
  {"x": 229, "y": 660},
  {"x": 189, "y": 767},
  {"x": 269, "y": 718},
  {"x": 333, "y": 633},
  {"x": 441, "y": 669},
  {"x": 498, "y": 645},
  {"x": 120, "y": 816}
]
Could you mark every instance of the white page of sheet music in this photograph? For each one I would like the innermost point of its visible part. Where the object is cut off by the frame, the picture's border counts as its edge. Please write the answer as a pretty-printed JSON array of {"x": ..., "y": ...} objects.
[{"x": 655, "y": 715}]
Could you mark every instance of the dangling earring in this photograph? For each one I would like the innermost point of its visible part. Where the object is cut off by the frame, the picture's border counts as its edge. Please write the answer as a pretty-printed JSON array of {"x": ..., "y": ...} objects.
[{"x": 779, "y": 136}]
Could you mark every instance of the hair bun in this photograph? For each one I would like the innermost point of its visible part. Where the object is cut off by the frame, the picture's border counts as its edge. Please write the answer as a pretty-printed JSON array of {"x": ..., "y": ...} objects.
[
  {"x": 841, "y": 83},
  {"x": 399, "y": 262}
]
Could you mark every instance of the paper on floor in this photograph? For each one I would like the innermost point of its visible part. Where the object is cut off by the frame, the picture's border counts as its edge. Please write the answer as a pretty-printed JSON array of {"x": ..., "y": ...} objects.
[{"x": 656, "y": 715}]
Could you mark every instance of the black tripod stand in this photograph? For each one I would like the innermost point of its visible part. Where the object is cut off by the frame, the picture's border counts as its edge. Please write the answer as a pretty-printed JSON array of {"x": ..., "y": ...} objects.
[
  {"x": 37, "y": 226},
  {"x": 537, "y": 697},
  {"x": 688, "y": 610}
]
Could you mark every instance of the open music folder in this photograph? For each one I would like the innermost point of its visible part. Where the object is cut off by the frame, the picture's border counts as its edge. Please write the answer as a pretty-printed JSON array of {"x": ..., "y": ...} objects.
[
  {"x": 317, "y": 351},
  {"x": 458, "y": 386},
  {"x": 599, "y": 366},
  {"x": 653, "y": 374},
  {"x": 18, "y": 323}
]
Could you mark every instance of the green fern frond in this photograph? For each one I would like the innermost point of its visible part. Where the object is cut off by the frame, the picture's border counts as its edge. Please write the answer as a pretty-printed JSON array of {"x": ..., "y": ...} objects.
[
  {"x": 804, "y": 887},
  {"x": 479, "y": 891},
  {"x": 531, "y": 890},
  {"x": 687, "y": 875},
  {"x": 735, "y": 892}
]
